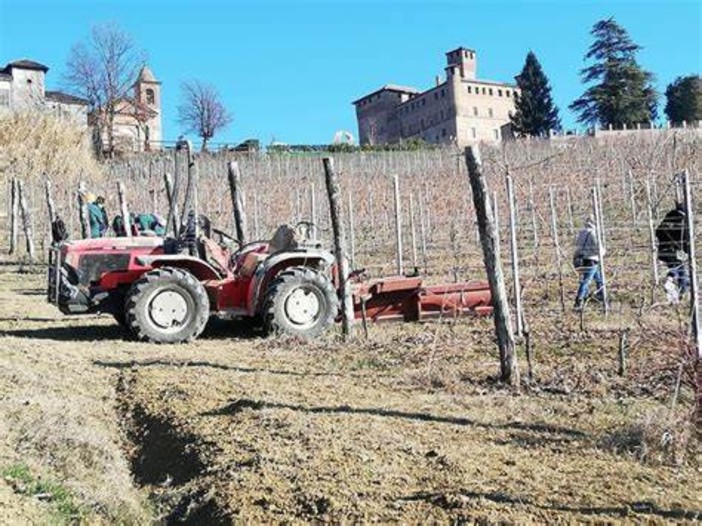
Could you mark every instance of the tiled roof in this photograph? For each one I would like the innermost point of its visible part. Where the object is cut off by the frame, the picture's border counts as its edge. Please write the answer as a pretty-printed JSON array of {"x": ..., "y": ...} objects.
[
  {"x": 27, "y": 64},
  {"x": 65, "y": 98}
]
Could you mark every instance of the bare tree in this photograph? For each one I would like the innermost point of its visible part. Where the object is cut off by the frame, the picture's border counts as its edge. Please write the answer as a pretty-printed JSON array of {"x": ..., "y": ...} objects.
[
  {"x": 201, "y": 110},
  {"x": 103, "y": 70}
]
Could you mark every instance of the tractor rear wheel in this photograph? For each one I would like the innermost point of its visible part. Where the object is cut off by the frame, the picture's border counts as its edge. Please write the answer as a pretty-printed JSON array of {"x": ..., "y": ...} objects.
[
  {"x": 300, "y": 302},
  {"x": 167, "y": 305}
]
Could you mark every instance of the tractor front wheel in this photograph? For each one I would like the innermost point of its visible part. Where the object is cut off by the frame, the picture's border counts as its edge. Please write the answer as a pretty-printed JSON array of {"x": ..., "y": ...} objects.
[
  {"x": 300, "y": 302},
  {"x": 167, "y": 305}
]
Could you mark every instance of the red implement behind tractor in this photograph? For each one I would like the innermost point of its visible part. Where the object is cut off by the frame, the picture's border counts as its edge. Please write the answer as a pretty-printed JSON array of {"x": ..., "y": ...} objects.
[{"x": 164, "y": 292}]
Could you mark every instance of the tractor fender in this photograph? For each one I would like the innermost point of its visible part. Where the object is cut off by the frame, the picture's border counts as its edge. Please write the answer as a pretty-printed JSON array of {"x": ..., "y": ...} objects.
[
  {"x": 267, "y": 271},
  {"x": 202, "y": 270}
]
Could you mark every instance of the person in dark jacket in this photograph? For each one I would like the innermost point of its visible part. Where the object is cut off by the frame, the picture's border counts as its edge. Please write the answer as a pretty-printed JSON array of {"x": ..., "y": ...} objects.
[
  {"x": 97, "y": 216},
  {"x": 586, "y": 260},
  {"x": 673, "y": 241}
]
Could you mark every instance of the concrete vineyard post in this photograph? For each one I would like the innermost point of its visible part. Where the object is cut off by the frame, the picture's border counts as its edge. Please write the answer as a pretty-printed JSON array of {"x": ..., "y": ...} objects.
[
  {"x": 413, "y": 233},
  {"x": 352, "y": 234},
  {"x": 50, "y": 207},
  {"x": 124, "y": 209},
  {"x": 557, "y": 246},
  {"x": 398, "y": 225},
  {"x": 519, "y": 317},
  {"x": 509, "y": 371},
  {"x": 14, "y": 215},
  {"x": 237, "y": 201},
  {"x": 692, "y": 262},
  {"x": 337, "y": 223},
  {"x": 83, "y": 212},
  {"x": 600, "y": 247},
  {"x": 26, "y": 220},
  {"x": 652, "y": 241}
]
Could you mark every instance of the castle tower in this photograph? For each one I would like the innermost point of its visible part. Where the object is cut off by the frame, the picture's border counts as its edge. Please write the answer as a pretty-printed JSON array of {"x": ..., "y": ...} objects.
[
  {"x": 147, "y": 92},
  {"x": 465, "y": 60}
]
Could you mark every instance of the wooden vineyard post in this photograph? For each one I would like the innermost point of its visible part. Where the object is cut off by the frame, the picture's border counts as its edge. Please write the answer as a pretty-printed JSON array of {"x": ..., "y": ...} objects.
[
  {"x": 26, "y": 221},
  {"x": 509, "y": 371},
  {"x": 337, "y": 223},
  {"x": 652, "y": 240},
  {"x": 557, "y": 246},
  {"x": 173, "y": 214},
  {"x": 600, "y": 246},
  {"x": 600, "y": 222},
  {"x": 14, "y": 215},
  {"x": 519, "y": 316},
  {"x": 123, "y": 209},
  {"x": 83, "y": 212},
  {"x": 237, "y": 201},
  {"x": 398, "y": 225},
  {"x": 534, "y": 229}
]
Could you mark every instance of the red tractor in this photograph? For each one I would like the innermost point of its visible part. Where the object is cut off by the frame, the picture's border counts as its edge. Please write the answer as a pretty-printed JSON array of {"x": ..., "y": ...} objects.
[{"x": 165, "y": 291}]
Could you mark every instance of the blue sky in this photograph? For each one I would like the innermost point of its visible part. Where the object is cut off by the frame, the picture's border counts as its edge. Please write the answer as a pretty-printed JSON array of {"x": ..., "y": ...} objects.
[{"x": 289, "y": 70}]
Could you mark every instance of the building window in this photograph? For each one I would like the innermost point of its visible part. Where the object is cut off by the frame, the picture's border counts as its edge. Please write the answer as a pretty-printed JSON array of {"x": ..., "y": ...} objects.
[
  {"x": 424, "y": 102},
  {"x": 474, "y": 133},
  {"x": 483, "y": 91},
  {"x": 490, "y": 91},
  {"x": 507, "y": 92},
  {"x": 497, "y": 134},
  {"x": 4, "y": 97},
  {"x": 150, "y": 96},
  {"x": 475, "y": 111},
  {"x": 443, "y": 93},
  {"x": 490, "y": 114},
  {"x": 443, "y": 132},
  {"x": 499, "y": 93},
  {"x": 470, "y": 89}
]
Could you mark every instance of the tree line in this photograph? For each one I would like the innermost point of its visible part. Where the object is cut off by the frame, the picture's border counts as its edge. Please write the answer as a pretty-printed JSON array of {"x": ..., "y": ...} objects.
[{"x": 619, "y": 92}]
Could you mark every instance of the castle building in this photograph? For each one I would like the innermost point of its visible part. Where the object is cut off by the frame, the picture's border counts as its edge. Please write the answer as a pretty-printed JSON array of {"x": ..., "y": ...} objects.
[
  {"x": 23, "y": 88},
  {"x": 460, "y": 110},
  {"x": 137, "y": 122}
]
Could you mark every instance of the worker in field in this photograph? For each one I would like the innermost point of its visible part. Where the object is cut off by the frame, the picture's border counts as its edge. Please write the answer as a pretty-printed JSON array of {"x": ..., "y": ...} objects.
[
  {"x": 673, "y": 240},
  {"x": 150, "y": 225},
  {"x": 97, "y": 215},
  {"x": 586, "y": 260}
]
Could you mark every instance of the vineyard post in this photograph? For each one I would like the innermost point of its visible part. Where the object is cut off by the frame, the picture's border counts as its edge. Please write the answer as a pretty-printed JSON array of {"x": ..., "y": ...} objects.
[
  {"x": 352, "y": 234},
  {"x": 515, "y": 258},
  {"x": 632, "y": 201},
  {"x": 569, "y": 203},
  {"x": 196, "y": 197},
  {"x": 237, "y": 201},
  {"x": 333, "y": 193},
  {"x": 413, "y": 233},
  {"x": 398, "y": 225},
  {"x": 50, "y": 207},
  {"x": 534, "y": 229},
  {"x": 313, "y": 213},
  {"x": 694, "y": 291},
  {"x": 26, "y": 221},
  {"x": 14, "y": 215},
  {"x": 509, "y": 371},
  {"x": 652, "y": 240},
  {"x": 557, "y": 246},
  {"x": 83, "y": 211},
  {"x": 600, "y": 222},
  {"x": 124, "y": 210},
  {"x": 600, "y": 246},
  {"x": 173, "y": 214},
  {"x": 423, "y": 233},
  {"x": 257, "y": 226}
]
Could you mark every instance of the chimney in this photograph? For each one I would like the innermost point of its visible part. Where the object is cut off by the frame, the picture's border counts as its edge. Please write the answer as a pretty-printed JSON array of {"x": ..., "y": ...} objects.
[{"x": 438, "y": 80}]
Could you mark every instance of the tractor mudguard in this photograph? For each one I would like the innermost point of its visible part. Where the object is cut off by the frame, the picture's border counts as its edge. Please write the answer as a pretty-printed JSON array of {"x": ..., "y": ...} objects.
[
  {"x": 274, "y": 264},
  {"x": 202, "y": 270}
]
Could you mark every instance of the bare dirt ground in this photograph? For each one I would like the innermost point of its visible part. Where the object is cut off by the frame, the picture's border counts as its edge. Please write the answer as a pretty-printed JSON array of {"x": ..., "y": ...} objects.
[{"x": 408, "y": 426}]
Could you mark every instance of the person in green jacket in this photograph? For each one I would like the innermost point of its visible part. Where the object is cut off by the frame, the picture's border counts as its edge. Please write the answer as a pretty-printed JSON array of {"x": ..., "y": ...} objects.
[{"x": 97, "y": 215}]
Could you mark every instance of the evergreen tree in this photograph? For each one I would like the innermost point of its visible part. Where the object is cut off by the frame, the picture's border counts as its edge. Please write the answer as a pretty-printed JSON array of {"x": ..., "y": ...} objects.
[
  {"x": 684, "y": 99},
  {"x": 622, "y": 93},
  {"x": 536, "y": 113}
]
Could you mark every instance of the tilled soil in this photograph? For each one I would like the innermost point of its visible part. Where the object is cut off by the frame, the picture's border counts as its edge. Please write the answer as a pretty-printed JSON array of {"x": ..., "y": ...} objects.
[{"x": 409, "y": 426}]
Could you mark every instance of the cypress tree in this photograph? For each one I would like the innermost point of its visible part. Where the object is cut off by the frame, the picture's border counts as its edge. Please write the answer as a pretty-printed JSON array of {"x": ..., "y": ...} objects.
[
  {"x": 622, "y": 93},
  {"x": 536, "y": 114}
]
